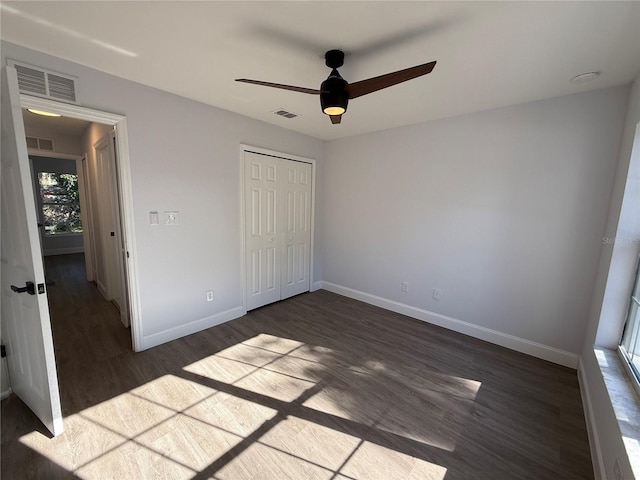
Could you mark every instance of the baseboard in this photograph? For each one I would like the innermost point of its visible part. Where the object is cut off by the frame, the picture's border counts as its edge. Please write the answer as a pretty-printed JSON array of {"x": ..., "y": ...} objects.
[
  {"x": 5, "y": 394},
  {"x": 518, "y": 344},
  {"x": 592, "y": 429},
  {"x": 155, "y": 339},
  {"x": 62, "y": 251},
  {"x": 316, "y": 286}
]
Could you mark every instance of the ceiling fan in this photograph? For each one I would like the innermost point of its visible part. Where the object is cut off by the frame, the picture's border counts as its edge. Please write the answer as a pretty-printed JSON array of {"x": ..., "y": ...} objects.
[{"x": 335, "y": 92}]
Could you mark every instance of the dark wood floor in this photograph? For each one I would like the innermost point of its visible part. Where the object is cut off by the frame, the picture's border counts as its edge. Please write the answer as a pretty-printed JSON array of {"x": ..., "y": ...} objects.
[{"x": 318, "y": 386}]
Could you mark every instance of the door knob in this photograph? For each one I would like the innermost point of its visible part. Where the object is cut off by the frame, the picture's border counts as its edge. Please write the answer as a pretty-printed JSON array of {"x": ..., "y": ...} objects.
[
  {"x": 28, "y": 288},
  {"x": 270, "y": 240}
]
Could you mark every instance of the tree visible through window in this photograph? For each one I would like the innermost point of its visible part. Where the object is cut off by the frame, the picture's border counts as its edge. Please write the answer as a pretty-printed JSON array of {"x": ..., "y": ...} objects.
[{"x": 60, "y": 202}]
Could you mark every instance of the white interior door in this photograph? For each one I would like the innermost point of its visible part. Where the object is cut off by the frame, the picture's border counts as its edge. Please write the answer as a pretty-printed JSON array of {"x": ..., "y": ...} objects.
[
  {"x": 26, "y": 327},
  {"x": 100, "y": 240},
  {"x": 87, "y": 219},
  {"x": 296, "y": 194},
  {"x": 277, "y": 228},
  {"x": 262, "y": 239},
  {"x": 121, "y": 251},
  {"x": 108, "y": 209}
]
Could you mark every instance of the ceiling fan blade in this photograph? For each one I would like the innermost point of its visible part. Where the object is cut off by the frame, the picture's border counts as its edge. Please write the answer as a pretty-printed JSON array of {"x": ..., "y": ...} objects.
[
  {"x": 363, "y": 87},
  {"x": 335, "y": 119},
  {"x": 279, "y": 85}
]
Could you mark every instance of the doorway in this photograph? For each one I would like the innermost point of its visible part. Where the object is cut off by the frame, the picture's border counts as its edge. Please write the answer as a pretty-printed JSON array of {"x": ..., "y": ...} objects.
[
  {"x": 112, "y": 129},
  {"x": 77, "y": 205},
  {"x": 26, "y": 328}
]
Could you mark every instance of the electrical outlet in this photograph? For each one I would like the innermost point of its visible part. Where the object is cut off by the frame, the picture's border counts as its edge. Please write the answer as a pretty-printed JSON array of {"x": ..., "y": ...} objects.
[
  {"x": 437, "y": 294},
  {"x": 617, "y": 473},
  {"x": 404, "y": 287},
  {"x": 209, "y": 295}
]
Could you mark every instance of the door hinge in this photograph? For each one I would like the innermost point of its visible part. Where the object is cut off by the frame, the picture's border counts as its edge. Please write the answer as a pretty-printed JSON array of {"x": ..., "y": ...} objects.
[{"x": 3, "y": 351}]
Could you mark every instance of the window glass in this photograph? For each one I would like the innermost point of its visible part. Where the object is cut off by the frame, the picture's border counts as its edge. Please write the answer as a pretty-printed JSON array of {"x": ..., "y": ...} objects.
[
  {"x": 630, "y": 338},
  {"x": 60, "y": 202}
]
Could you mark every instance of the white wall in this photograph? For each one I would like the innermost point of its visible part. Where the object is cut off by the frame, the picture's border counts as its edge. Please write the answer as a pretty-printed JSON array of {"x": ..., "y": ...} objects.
[
  {"x": 610, "y": 299},
  {"x": 503, "y": 210},
  {"x": 62, "y": 143},
  {"x": 184, "y": 157}
]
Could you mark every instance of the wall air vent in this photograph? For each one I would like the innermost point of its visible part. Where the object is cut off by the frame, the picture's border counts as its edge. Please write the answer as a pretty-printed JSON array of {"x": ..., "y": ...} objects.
[
  {"x": 285, "y": 113},
  {"x": 40, "y": 143},
  {"x": 44, "y": 83}
]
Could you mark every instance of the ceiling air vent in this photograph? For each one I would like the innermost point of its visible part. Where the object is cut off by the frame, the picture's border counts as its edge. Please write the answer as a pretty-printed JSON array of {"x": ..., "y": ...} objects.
[
  {"x": 285, "y": 113},
  {"x": 45, "y": 83},
  {"x": 40, "y": 143}
]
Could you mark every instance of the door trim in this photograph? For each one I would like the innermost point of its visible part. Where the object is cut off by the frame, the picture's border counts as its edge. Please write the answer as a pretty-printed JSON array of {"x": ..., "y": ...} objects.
[
  {"x": 126, "y": 193},
  {"x": 286, "y": 156}
]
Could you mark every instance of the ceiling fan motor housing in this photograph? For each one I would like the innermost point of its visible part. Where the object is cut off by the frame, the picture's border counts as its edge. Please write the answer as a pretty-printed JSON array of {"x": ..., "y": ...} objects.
[
  {"x": 334, "y": 58},
  {"x": 334, "y": 92}
]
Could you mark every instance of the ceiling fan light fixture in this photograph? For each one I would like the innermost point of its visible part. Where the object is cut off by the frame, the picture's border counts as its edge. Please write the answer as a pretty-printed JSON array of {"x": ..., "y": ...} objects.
[
  {"x": 333, "y": 95},
  {"x": 43, "y": 113},
  {"x": 337, "y": 110},
  {"x": 585, "y": 77}
]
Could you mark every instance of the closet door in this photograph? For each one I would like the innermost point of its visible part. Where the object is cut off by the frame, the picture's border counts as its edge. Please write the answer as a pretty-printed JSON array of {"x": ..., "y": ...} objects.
[
  {"x": 262, "y": 239},
  {"x": 277, "y": 228},
  {"x": 296, "y": 195}
]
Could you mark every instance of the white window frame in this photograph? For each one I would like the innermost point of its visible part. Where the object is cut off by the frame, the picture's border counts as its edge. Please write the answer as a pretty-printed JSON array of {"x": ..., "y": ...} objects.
[{"x": 631, "y": 369}]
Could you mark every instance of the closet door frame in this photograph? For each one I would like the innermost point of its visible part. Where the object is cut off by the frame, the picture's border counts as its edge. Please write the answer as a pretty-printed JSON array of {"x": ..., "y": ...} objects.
[{"x": 285, "y": 156}]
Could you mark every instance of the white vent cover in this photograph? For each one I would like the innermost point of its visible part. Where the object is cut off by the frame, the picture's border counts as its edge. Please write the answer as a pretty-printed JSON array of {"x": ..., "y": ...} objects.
[
  {"x": 40, "y": 143},
  {"x": 285, "y": 113},
  {"x": 45, "y": 83}
]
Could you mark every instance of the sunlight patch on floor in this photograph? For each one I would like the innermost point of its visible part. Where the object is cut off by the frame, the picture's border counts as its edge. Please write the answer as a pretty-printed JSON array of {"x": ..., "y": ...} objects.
[
  {"x": 263, "y": 409},
  {"x": 375, "y": 462},
  {"x": 302, "y": 438},
  {"x": 370, "y": 393},
  {"x": 168, "y": 428},
  {"x": 273, "y": 343},
  {"x": 261, "y": 462}
]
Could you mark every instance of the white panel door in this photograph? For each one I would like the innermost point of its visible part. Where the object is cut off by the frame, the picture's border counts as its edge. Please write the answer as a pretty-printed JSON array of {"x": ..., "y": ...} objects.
[
  {"x": 296, "y": 195},
  {"x": 26, "y": 327},
  {"x": 116, "y": 213},
  {"x": 262, "y": 239},
  {"x": 110, "y": 226},
  {"x": 277, "y": 228},
  {"x": 101, "y": 214}
]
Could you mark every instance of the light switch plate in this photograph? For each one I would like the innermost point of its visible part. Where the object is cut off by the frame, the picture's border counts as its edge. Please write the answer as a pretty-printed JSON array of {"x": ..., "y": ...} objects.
[
  {"x": 171, "y": 218},
  {"x": 154, "y": 218}
]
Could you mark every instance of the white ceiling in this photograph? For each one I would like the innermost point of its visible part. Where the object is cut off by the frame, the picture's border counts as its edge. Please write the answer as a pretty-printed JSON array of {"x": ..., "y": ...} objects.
[
  {"x": 490, "y": 54},
  {"x": 60, "y": 125}
]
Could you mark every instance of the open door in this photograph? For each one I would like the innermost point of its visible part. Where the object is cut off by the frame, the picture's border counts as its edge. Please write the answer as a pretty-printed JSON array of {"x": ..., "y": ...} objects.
[
  {"x": 26, "y": 326},
  {"x": 112, "y": 250},
  {"x": 122, "y": 249}
]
